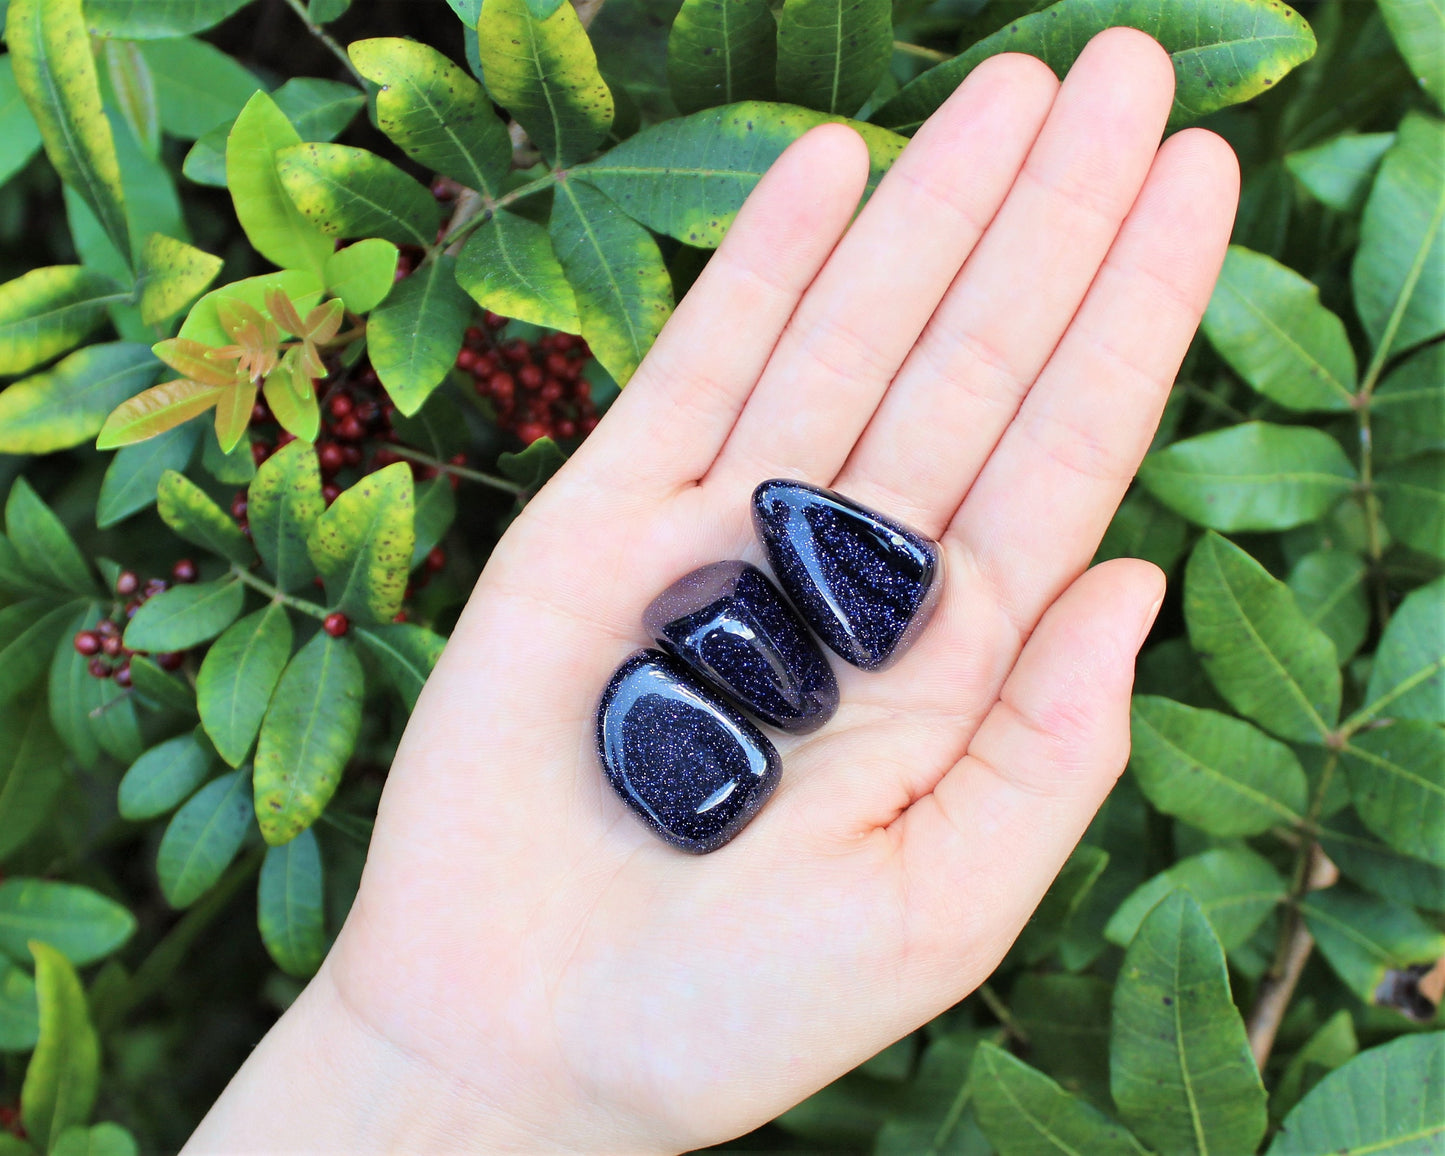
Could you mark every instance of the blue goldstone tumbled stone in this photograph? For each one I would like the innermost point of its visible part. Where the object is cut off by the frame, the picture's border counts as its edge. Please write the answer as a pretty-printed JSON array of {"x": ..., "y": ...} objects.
[
  {"x": 682, "y": 757},
  {"x": 865, "y": 583},
  {"x": 732, "y": 625}
]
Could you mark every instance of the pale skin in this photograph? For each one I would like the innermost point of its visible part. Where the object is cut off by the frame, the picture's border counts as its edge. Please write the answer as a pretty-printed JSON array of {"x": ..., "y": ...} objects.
[{"x": 984, "y": 354}]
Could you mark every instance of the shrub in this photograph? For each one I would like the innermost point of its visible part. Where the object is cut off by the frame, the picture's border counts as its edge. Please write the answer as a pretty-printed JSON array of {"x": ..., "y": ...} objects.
[{"x": 232, "y": 297}]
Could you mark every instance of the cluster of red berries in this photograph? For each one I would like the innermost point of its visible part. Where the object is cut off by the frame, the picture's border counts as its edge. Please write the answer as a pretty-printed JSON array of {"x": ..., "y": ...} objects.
[
  {"x": 10, "y": 1121},
  {"x": 536, "y": 389},
  {"x": 109, "y": 656}
]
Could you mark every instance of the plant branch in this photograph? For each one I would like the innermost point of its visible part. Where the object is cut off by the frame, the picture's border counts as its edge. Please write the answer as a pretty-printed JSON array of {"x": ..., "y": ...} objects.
[
  {"x": 479, "y": 209},
  {"x": 321, "y": 34},
  {"x": 271, "y": 592},
  {"x": 932, "y": 55},
  {"x": 1001, "y": 1013},
  {"x": 506, "y": 485}
]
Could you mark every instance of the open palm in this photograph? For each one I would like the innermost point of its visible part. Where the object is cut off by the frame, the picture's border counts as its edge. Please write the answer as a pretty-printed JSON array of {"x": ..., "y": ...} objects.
[{"x": 983, "y": 355}]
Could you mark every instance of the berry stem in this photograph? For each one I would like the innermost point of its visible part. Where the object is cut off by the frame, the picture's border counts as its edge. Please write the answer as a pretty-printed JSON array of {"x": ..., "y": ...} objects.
[
  {"x": 470, "y": 475},
  {"x": 276, "y": 595}
]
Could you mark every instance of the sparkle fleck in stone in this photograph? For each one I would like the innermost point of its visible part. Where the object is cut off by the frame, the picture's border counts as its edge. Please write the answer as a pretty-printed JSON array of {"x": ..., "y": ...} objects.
[
  {"x": 865, "y": 583},
  {"x": 732, "y": 626},
  {"x": 682, "y": 758}
]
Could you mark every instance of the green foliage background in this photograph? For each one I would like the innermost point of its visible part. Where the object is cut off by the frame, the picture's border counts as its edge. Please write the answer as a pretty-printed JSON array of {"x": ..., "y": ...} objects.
[{"x": 1243, "y": 955}]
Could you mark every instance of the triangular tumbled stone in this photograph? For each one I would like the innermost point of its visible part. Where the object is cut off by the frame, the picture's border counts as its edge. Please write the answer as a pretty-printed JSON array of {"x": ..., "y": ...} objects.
[{"x": 865, "y": 583}]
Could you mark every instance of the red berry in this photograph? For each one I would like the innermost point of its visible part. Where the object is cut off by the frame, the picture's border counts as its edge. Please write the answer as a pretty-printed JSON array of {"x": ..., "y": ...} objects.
[
  {"x": 486, "y": 365},
  {"x": 340, "y": 405},
  {"x": 501, "y": 385},
  {"x": 107, "y": 628},
  {"x": 170, "y": 660},
  {"x": 551, "y": 392},
  {"x": 349, "y": 429},
  {"x": 154, "y": 586},
  {"x": 474, "y": 338},
  {"x": 587, "y": 424},
  {"x": 566, "y": 428},
  {"x": 98, "y": 668},
  {"x": 531, "y": 431},
  {"x": 284, "y": 438},
  {"x": 330, "y": 493},
  {"x": 367, "y": 412},
  {"x": 352, "y": 454},
  {"x": 494, "y": 320},
  {"x": 330, "y": 456},
  {"x": 238, "y": 505},
  {"x": 87, "y": 642},
  {"x": 582, "y": 389},
  {"x": 111, "y": 645},
  {"x": 336, "y": 625},
  {"x": 557, "y": 364},
  {"x": 562, "y": 342},
  {"x": 400, "y": 616},
  {"x": 122, "y": 675},
  {"x": 517, "y": 350},
  {"x": 127, "y": 582},
  {"x": 260, "y": 451},
  {"x": 458, "y": 459},
  {"x": 260, "y": 412},
  {"x": 436, "y": 559},
  {"x": 184, "y": 571},
  {"x": 531, "y": 376},
  {"x": 467, "y": 359},
  {"x": 384, "y": 457}
]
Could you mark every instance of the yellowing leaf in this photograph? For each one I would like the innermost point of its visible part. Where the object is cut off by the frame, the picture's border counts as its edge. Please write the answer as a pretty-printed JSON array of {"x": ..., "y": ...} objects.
[
  {"x": 156, "y": 410},
  {"x": 362, "y": 545},
  {"x": 68, "y": 404},
  {"x": 47, "y": 311},
  {"x": 173, "y": 274}
]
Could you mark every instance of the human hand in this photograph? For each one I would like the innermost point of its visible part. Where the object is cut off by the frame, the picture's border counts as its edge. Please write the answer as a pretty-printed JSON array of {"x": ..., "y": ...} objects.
[{"x": 983, "y": 355}]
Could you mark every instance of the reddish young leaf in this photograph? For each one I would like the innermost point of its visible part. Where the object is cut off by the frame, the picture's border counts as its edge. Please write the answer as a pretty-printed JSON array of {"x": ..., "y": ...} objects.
[
  {"x": 196, "y": 361},
  {"x": 158, "y": 409}
]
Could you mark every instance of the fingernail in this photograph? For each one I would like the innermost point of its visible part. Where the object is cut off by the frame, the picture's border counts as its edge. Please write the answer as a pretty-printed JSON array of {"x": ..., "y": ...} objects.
[{"x": 1148, "y": 623}]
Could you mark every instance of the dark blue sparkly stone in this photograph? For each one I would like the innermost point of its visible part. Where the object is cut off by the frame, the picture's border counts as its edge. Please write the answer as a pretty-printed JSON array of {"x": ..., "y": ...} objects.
[
  {"x": 732, "y": 625},
  {"x": 689, "y": 763},
  {"x": 865, "y": 583}
]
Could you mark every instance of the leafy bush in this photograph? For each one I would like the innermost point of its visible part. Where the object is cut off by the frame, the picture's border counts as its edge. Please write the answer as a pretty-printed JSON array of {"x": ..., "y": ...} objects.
[{"x": 210, "y": 638}]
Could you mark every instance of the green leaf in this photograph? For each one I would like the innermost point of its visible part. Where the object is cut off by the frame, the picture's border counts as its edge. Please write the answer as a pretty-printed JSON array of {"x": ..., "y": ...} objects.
[
  {"x": 623, "y": 291},
  {"x": 1338, "y": 173},
  {"x": 509, "y": 266},
  {"x": 1024, "y": 1113},
  {"x": 1254, "y": 476},
  {"x": 43, "y": 544},
  {"x": 436, "y": 508},
  {"x": 933, "y": 1115},
  {"x": 50, "y": 50},
  {"x": 1418, "y": 27},
  {"x": 185, "y": 616},
  {"x": 1362, "y": 936},
  {"x": 68, "y": 404},
  {"x": 82, "y": 924},
  {"x": 282, "y": 507},
  {"x": 273, "y": 224},
  {"x": 689, "y": 176},
  {"x": 1267, "y": 322},
  {"x": 19, "y": 1012},
  {"x": 1397, "y": 780},
  {"x": 163, "y": 778},
  {"x": 46, "y": 312},
  {"x": 290, "y": 909},
  {"x": 1235, "y": 888},
  {"x": 90, "y": 714},
  {"x": 319, "y": 109},
  {"x": 1067, "y": 1021},
  {"x": 349, "y": 192},
  {"x": 1260, "y": 651},
  {"x": 135, "y": 472},
  {"x": 362, "y": 274},
  {"x": 1412, "y": 502},
  {"x": 542, "y": 69},
  {"x": 1377, "y": 866},
  {"x": 437, "y": 114},
  {"x": 1215, "y": 772},
  {"x": 1407, "y": 679},
  {"x": 406, "y": 654},
  {"x": 158, "y": 690},
  {"x": 1399, "y": 270},
  {"x": 721, "y": 53},
  {"x": 414, "y": 337},
  {"x": 1407, "y": 412},
  {"x": 833, "y": 53},
  {"x": 238, "y": 676},
  {"x": 203, "y": 837},
  {"x": 307, "y": 737},
  {"x": 156, "y": 19},
  {"x": 1066, "y": 895},
  {"x": 1329, "y": 586},
  {"x": 19, "y": 134},
  {"x": 100, "y": 1140},
  {"x": 32, "y": 771},
  {"x": 1180, "y": 1067},
  {"x": 134, "y": 90},
  {"x": 362, "y": 545},
  {"x": 533, "y": 467},
  {"x": 61, "y": 1080},
  {"x": 189, "y": 511},
  {"x": 203, "y": 322},
  {"x": 1141, "y": 528},
  {"x": 1332, "y": 1045},
  {"x": 1224, "y": 51},
  {"x": 1385, "y": 1100},
  {"x": 199, "y": 87},
  {"x": 29, "y": 632},
  {"x": 175, "y": 274}
]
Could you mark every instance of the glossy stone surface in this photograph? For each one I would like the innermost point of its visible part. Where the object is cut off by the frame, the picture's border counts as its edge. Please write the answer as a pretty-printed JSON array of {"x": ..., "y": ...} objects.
[
  {"x": 732, "y": 625},
  {"x": 865, "y": 583},
  {"x": 683, "y": 758}
]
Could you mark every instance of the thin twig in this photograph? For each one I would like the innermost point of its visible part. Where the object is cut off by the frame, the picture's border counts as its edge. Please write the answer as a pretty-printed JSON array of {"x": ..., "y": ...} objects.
[
  {"x": 1276, "y": 991},
  {"x": 930, "y": 54},
  {"x": 321, "y": 34},
  {"x": 1001, "y": 1013},
  {"x": 260, "y": 584},
  {"x": 504, "y": 484}
]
